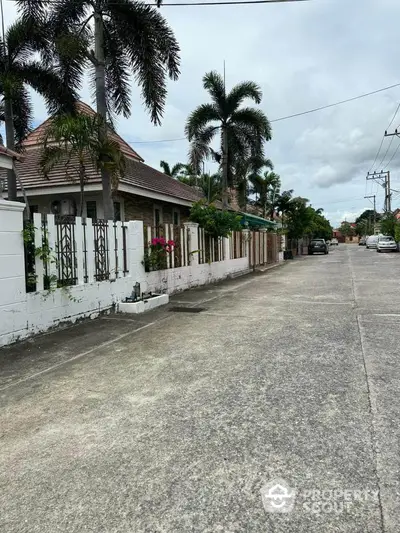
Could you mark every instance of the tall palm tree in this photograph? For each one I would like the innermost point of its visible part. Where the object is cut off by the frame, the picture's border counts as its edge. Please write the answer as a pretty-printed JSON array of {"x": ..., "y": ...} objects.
[
  {"x": 172, "y": 172},
  {"x": 127, "y": 38},
  {"x": 244, "y": 172},
  {"x": 267, "y": 188},
  {"x": 20, "y": 69},
  {"x": 74, "y": 142},
  {"x": 243, "y": 130}
]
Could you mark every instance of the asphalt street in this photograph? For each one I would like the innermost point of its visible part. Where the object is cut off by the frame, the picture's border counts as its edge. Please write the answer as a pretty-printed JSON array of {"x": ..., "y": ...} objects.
[{"x": 180, "y": 422}]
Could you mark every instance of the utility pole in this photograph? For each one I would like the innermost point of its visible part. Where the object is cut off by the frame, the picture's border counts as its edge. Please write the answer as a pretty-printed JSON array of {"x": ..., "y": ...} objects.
[
  {"x": 374, "y": 197},
  {"x": 383, "y": 178}
]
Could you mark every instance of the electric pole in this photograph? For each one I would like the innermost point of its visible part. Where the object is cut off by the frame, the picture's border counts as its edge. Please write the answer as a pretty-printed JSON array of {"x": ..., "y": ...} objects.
[
  {"x": 383, "y": 178},
  {"x": 374, "y": 197}
]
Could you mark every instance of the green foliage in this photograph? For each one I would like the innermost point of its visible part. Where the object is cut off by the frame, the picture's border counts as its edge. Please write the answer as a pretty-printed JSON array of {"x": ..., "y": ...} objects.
[
  {"x": 215, "y": 222},
  {"x": 347, "y": 230},
  {"x": 389, "y": 224},
  {"x": 245, "y": 129},
  {"x": 137, "y": 42}
]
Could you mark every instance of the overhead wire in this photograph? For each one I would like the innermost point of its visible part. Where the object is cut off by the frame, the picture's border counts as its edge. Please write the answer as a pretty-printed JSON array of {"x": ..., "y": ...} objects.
[
  {"x": 383, "y": 138},
  {"x": 314, "y": 110}
]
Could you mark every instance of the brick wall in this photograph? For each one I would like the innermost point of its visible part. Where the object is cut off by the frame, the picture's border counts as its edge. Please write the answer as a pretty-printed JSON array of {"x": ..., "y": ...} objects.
[{"x": 141, "y": 208}]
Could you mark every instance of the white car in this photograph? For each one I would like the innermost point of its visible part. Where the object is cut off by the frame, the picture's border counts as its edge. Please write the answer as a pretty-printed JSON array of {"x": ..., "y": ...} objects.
[
  {"x": 372, "y": 241},
  {"x": 334, "y": 242},
  {"x": 386, "y": 244}
]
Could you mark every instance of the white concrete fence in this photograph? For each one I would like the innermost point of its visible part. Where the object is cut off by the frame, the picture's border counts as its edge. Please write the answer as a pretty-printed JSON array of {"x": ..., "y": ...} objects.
[{"x": 105, "y": 262}]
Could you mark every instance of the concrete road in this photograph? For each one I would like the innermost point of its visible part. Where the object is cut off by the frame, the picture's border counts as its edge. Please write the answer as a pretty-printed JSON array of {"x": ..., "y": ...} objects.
[{"x": 174, "y": 422}]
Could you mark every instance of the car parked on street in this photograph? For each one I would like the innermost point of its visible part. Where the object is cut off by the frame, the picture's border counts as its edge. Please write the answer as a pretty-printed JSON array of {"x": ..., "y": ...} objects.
[
  {"x": 334, "y": 242},
  {"x": 362, "y": 241},
  {"x": 318, "y": 245},
  {"x": 386, "y": 243},
  {"x": 372, "y": 241}
]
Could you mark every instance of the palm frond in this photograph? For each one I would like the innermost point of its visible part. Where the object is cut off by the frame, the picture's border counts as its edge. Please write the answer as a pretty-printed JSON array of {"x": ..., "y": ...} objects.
[
  {"x": 242, "y": 91},
  {"x": 166, "y": 168},
  {"x": 199, "y": 119},
  {"x": 46, "y": 82},
  {"x": 151, "y": 48},
  {"x": 214, "y": 84},
  {"x": 32, "y": 8},
  {"x": 68, "y": 15},
  {"x": 50, "y": 157},
  {"x": 117, "y": 69},
  {"x": 176, "y": 169},
  {"x": 24, "y": 37},
  {"x": 255, "y": 119},
  {"x": 22, "y": 114}
]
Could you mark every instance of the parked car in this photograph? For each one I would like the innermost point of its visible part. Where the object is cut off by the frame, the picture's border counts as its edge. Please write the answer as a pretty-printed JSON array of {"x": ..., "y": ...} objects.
[
  {"x": 372, "y": 241},
  {"x": 334, "y": 242},
  {"x": 362, "y": 241},
  {"x": 386, "y": 244},
  {"x": 318, "y": 245}
]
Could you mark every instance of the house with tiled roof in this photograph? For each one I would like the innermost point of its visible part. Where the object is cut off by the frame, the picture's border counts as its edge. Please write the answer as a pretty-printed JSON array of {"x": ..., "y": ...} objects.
[{"x": 144, "y": 193}]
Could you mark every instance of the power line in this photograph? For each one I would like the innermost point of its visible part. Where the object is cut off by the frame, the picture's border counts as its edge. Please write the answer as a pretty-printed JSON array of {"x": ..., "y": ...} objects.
[
  {"x": 383, "y": 138},
  {"x": 314, "y": 110},
  {"x": 393, "y": 156}
]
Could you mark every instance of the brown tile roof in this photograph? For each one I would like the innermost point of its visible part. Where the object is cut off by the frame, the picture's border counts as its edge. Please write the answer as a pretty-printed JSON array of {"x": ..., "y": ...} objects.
[
  {"x": 137, "y": 174},
  {"x": 35, "y": 137}
]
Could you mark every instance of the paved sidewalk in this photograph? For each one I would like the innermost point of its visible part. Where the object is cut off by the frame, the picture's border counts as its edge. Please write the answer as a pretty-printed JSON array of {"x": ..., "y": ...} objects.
[{"x": 172, "y": 422}]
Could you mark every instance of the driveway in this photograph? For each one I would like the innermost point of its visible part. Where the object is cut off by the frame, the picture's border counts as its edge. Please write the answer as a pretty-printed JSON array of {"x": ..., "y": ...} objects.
[{"x": 174, "y": 422}]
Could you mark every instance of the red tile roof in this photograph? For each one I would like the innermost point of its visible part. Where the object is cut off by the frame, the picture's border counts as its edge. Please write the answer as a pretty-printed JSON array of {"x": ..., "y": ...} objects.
[
  {"x": 137, "y": 173},
  {"x": 35, "y": 137}
]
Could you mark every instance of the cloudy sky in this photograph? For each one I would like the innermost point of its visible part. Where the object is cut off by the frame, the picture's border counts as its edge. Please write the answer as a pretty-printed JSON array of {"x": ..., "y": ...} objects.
[{"x": 303, "y": 55}]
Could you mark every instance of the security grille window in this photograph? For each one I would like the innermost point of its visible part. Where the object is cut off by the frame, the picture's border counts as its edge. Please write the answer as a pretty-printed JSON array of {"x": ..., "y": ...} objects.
[
  {"x": 91, "y": 210},
  {"x": 117, "y": 211}
]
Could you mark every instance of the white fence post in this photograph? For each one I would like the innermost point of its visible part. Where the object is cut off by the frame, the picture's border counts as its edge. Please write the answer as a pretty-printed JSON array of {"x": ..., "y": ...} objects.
[
  {"x": 79, "y": 251},
  {"x": 192, "y": 227},
  {"x": 39, "y": 268},
  {"x": 246, "y": 242},
  {"x": 136, "y": 250},
  {"x": 90, "y": 260},
  {"x": 226, "y": 248}
]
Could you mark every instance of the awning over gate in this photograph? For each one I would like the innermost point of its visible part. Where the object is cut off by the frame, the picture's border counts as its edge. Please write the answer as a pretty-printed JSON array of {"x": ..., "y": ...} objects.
[{"x": 252, "y": 221}]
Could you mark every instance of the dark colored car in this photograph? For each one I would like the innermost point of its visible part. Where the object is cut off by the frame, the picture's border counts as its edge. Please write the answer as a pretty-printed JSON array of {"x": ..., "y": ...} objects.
[{"x": 318, "y": 245}]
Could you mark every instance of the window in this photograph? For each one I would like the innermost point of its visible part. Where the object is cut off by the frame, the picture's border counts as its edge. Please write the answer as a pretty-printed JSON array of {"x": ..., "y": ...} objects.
[
  {"x": 158, "y": 215},
  {"x": 91, "y": 209},
  {"x": 176, "y": 217},
  {"x": 117, "y": 211}
]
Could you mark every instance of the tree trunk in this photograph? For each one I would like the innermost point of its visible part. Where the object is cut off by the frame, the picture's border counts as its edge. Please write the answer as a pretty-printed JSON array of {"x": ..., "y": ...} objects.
[
  {"x": 82, "y": 187},
  {"x": 101, "y": 104},
  {"x": 224, "y": 168},
  {"x": 9, "y": 123}
]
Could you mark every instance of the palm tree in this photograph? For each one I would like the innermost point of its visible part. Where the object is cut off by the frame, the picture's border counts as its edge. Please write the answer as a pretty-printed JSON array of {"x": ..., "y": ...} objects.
[
  {"x": 74, "y": 142},
  {"x": 172, "y": 172},
  {"x": 267, "y": 188},
  {"x": 20, "y": 69},
  {"x": 244, "y": 172},
  {"x": 127, "y": 38},
  {"x": 243, "y": 130}
]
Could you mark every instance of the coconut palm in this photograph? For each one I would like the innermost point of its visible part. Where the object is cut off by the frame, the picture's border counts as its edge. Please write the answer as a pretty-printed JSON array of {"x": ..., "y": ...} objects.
[
  {"x": 267, "y": 188},
  {"x": 172, "y": 172},
  {"x": 74, "y": 142},
  {"x": 244, "y": 170},
  {"x": 20, "y": 69},
  {"x": 243, "y": 130},
  {"x": 126, "y": 38}
]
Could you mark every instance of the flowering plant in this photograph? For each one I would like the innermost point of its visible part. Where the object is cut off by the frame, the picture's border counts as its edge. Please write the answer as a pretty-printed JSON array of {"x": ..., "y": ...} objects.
[{"x": 155, "y": 257}]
